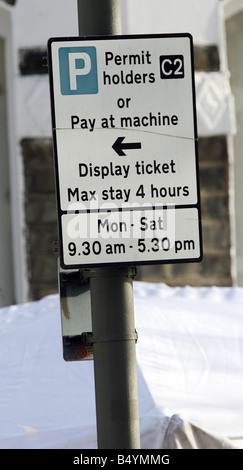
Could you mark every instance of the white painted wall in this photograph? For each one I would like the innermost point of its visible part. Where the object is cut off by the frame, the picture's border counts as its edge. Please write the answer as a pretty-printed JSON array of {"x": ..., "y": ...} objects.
[
  {"x": 16, "y": 240},
  {"x": 198, "y": 17},
  {"x": 35, "y": 22},
  {"x": 234, "y": 28},
  {"x": 6, "y": 255}
]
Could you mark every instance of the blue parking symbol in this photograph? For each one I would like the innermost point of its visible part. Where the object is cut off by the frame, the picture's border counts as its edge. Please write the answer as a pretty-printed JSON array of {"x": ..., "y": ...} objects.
[{"x": 78, "y": 70}]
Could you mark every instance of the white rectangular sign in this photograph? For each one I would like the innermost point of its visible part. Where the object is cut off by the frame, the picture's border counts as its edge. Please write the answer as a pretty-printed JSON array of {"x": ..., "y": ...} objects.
[{"x": 124, "y": 127}]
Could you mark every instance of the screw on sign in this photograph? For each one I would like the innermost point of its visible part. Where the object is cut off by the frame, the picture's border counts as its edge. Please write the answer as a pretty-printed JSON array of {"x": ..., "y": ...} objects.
[{"x": 84, "y": 352}]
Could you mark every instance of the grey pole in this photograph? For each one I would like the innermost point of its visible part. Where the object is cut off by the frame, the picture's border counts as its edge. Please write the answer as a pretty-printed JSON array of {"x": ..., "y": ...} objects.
[
  {"x": 99, "y": 17},
  {"x": 115, "y": 359},
  {"x": 114, "y": 337}
]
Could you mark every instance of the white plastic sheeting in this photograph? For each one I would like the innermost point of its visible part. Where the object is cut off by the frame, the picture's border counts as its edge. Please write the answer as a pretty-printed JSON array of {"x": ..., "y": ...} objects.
[{"x": 190, "y": 375}]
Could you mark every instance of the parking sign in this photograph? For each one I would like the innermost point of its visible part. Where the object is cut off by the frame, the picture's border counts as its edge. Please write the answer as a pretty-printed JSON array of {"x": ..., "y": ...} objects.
[
  {"x": 125, "y": 140},
  {"x": 78, "y": 70}
]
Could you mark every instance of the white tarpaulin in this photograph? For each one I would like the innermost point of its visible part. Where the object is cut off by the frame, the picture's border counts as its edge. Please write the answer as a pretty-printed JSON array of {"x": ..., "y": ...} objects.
[{"x": 190, "y": 375}]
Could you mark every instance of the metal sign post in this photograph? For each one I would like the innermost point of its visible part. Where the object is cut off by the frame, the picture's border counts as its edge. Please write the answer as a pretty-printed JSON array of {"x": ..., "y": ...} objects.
[
  {"x": 114, "y": 339},
  {"x": 125, "y": 140},
  {"x": 112, "y": 304}
]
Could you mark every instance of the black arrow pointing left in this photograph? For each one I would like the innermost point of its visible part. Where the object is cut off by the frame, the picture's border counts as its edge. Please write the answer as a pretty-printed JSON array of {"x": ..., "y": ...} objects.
[{"x": 119, "y": 146}]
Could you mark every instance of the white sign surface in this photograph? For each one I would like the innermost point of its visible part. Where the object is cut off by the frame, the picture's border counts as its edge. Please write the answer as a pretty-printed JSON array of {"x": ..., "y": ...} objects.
[{"x": 124, "y": 129}]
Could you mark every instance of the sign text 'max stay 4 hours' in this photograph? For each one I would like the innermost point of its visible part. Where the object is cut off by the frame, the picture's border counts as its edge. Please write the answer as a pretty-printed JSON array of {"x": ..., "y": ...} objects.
[{"x": 124, "y": 126}]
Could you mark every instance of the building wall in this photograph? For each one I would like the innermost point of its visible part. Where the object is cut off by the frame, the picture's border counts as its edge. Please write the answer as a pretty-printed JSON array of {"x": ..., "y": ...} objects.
[
  {"x": 234, "y": 29},
  {"x": 6, "y": 274},
  {"x": 33, "y": 24},
  {"x": 58, "y": 18}
]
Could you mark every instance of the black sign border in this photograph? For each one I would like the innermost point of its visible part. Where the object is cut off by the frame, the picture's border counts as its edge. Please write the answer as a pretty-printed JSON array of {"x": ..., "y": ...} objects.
[{"x": 61, "y": 213}]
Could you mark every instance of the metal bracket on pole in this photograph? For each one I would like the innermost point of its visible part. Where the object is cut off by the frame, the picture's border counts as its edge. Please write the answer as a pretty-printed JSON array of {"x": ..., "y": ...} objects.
[
  {"x": 89, "y": 339},
  {"x": 129, "y": 271}
]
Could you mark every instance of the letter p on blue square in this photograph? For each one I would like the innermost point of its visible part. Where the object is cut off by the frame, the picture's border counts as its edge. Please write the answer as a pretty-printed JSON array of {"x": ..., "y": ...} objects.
[{"x": 78, "y": 70}]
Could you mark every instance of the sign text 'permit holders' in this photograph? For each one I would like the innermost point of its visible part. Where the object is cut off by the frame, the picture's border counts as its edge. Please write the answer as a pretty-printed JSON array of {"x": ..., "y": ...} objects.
[{"x": 125, "y": 141}]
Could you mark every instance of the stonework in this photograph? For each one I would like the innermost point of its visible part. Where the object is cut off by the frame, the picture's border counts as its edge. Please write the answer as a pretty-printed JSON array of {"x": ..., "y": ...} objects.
[
  {"x": 41, "y": 216},
  {"x": 215, "y": 268}
]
